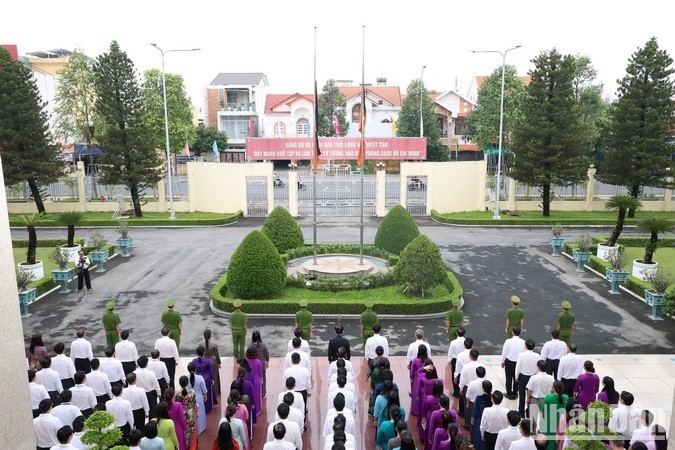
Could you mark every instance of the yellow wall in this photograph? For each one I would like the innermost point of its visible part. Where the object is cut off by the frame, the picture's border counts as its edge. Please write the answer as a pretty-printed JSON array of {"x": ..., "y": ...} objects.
[{"x": 48, "y": 65}]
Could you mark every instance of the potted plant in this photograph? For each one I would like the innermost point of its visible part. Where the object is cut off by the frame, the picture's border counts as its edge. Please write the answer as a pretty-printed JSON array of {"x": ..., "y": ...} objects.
[
  {"x": 99, "y": 255},
  {"x": 622, "y": 204},
  {"x": 101, "y": 432},
  {"x": 615, "y": 273},
  {"x": 583, "y": 253},
  {"x": 556, "y": 241},
  {"x": 26, "y": 294},
  {"x": 63, "y": 274},
  {"x": 660, "y": 281},
  {"x": 654, "y": 226},
  {"x": 124, "y": 242},
  {"x": 591, "y": 428},
  {"x": 35, "y": 267},
  {"x": 70, "y": 220}
]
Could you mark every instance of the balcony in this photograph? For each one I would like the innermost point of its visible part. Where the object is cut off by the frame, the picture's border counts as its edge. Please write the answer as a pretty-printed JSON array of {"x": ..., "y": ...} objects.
[{"x": 237, "y": 107}]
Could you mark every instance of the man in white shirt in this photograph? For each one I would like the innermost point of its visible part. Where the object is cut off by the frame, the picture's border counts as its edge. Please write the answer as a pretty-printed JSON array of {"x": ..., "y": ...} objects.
[
  {"x": 304, "y": 357},
  {"x": 294, "y": 414},
  {"x": 341, "y": 355},
  {"x": 538, "y": 387},
  {"x": 168, "y": 354},
  {"x": 374, "y": 341},
  {"x": 112, "y": 367},
  {"x": 341, "y": 372},
  {"x": 50, "y": 379},
  {"x": 349, "y": 385},
  {"x": 83, "y": 395},
  {"x": 125, "y": 351},
  {"x": 304, "y": 346},
  {"x": 525, "y": 442},
  {"x": 475, "y": 386},
  {"x": 644, "y": 432},
  {"x": 159, "y": 368},
  {"x": 146, "y": 380},
  {"x": 139, "y": 401},
  {"x": 278, "y": 433},
  {"x": 64, "y": 366},
  {"x": 552, "y": 351},
  {"x": 134, "y": 438},
  {"x": 78, "y": 432},
  {"x": 412, "y": 348},
  {"x": 46, "y": 426},
  {"x": 37, "y": 393},
  {"x": 298, "y": 399},
  {"x": 456, "y": 347},
  {"x": 494, "y": 420},
  {"x": 293, "y": 434},
  {"x": 625, "y": 419},
  {"x": 121, "y": 410},
  {"x": 339, "y": 408},
  {"x": 81, "y": 352},
  {"x": 66, "y": 412},
  {"x": 99, "y": 382},
  {"x": 65, "y": 438},
  {"x": 513, "y": 347},
  {"x": 466, "y": 376},
  {"x": 303, "y": 379},
  {"x": 570, "y": 367},
  {"x": 526, "y": 366},
  {"x": 350, "y": 396},
  {"x": 338, "y": 435}
]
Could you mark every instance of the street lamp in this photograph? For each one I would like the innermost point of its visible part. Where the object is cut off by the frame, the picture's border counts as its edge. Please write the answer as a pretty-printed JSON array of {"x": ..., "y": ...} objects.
[
  {"x": 166, "y": 125},
  {"x": 501, "y": 125},
  {"x": 421, "y": 102},
  {"x": 380, "y": 165}
]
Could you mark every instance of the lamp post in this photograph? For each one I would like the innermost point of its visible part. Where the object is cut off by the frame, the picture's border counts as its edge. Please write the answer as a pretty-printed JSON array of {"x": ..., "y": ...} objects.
[
  {"x": 421, "y": 102},
  {"x": 172, "y": 212},
  {"x": 501, "y": 126}
]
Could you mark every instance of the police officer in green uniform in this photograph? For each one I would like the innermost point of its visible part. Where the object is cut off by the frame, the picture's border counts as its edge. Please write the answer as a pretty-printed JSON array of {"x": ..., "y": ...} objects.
[
  {"x": 565, "y": 322},
  {"x": 239, "y": 327},
  {"x": 368, "y": 319},
  {"x": 514, "y": 316},
  {"x": 303, "y": 320},
  {"x": 111, "y": 324},
  {"x": 173, "y": 321},
  {"x": 454, "y": 319}
]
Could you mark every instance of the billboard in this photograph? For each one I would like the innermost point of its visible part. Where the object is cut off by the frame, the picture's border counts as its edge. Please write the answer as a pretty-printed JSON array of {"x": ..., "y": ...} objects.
[{"x": 335, "y": 148}]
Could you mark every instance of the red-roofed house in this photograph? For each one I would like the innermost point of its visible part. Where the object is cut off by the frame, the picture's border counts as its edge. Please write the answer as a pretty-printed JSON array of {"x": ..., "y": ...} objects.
[{"x": 452, "y": 109}]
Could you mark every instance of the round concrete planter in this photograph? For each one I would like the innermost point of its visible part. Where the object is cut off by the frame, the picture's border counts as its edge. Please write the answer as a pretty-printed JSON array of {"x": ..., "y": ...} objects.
[
  {"x": 71, "y": 252},
  {"x": 642, "y": 270},
  {"x": 603, "y": 250},
  {"x": 37, "y": 269}
]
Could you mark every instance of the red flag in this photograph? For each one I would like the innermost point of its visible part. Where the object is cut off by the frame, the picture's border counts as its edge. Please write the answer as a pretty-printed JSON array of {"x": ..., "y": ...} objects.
[
  {"x": 362, "y": 127},
  {"x": 187, "y": 149}
]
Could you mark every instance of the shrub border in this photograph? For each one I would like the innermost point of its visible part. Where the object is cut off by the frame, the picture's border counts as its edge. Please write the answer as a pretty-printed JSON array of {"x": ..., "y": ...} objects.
[
  {"x": 352, "y": 249},
  {"x": 228, "y": 219},
  {"x": 23, "y": 243},
  {"x": 525, "y": 222}
]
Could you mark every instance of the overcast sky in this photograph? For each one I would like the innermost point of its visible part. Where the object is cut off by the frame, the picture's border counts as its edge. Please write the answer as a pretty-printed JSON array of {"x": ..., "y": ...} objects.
[{"x": 276, "y": 37}]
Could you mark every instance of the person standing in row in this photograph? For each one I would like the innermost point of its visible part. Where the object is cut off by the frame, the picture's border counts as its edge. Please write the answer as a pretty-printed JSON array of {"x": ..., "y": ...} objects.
[
  {"x": 111, "y": 324},
  {"x": 337, "y": 342},
  {"x": 126, "y": 351},
  {"x": 454, "y": 319},
  {"x": 81, "y": 352},
  {"x": 64, "y": 366},
  {"x": 173, "y": 321},
  {"x": 515, "y": 316},
  {"x": 513, "y": 347},
  {"x": 239, "y": 327},
  {"x": 368, "y": 319},
  {"x": 304, "y": 319},
  {"x": 526, "y": 367},
  {"x": 552, "y": 351},
  {"x": 168, "y": 354},
  {"x": 565, "y": 322},
  {"x": 211, "y": 352}
]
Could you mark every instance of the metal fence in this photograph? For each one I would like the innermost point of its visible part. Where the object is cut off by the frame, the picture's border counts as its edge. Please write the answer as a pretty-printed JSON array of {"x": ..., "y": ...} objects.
[
  {"x": 281, "y": 190},
  {"x": 392, "y": 192},
  {"x": 256, "y": 197},
  {"x": 416, "y": 197},
  {"x": 338, "y": 195}
]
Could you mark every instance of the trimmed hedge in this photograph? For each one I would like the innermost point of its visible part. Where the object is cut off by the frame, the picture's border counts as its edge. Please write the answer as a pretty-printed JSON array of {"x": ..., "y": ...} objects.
[
  {"x": 397, "y": 230},
  {"x": 351, "y": 249},
  {"x": 256, "y": 269},
  {"x": 421, "y": 266},
  {"x": 505, "y": 220},
  {"x": 46, "y": 223},
  {"x": 340, "y": 303},
  {"x": 283, "y": 230},
  {"x": 349, "y": 283},
  {"x": 23, "y": 243}
]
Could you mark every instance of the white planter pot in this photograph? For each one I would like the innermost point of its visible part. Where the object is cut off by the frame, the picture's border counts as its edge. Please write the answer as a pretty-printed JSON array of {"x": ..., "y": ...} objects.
[
  {"x": 36, "y": 269},
  {"x": 71, "y": 252},
  {"x": 642, "y": 270},
  {"x": 603, "y": 251}
]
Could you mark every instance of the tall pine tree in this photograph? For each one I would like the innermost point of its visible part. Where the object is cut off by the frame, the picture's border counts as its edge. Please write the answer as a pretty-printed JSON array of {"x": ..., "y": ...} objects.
[
  {"x": 549, "y": 144},
  {"x": 26, "y": 144},
  {"x": 130, "y": 156},
  {"x": 640, "y": 141},
  {"x": 332, "y": 105}
]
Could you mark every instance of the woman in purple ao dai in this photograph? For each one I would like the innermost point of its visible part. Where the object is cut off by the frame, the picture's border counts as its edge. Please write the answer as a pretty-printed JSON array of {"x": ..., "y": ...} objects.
[
  {"x": 586, "y": 388},
  {"x": 415, "y": 365},
  {"x": 205, "y": 369}
]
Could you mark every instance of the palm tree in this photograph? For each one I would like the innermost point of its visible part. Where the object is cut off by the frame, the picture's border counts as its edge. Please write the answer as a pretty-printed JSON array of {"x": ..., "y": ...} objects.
[
  {"x": 30, "y": 220},
  {"x": 621, "y": 203},
  {"x": 70, "y": 219},
  {"x": 654, "y": 226}
]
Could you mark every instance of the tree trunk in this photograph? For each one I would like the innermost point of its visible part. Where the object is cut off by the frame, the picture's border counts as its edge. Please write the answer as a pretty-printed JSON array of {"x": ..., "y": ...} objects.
[
  {"x": 32, "y": 244},
  {"x": 618, "y": 228},
  {"x": 136, "y": 201},
  {"x": 35, "y": 191},
  {"x": 651, "y": 247},
  {"x": 546, "y": 200},
  {"x": 633, "y": 191},
  {"x": 71, "y": 236}
]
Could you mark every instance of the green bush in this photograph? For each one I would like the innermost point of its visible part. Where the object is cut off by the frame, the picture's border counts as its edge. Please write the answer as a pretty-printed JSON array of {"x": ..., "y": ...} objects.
[
  {"x": 143, "y": 222},
  {"x": 22, "y": 243},
  {"x": 669, "y": 303},
  {"x": 350, "y": 283},
  {"x": 397, "y": 230},
  {"x": 256, "y": 269},
  {"x": 352, "y": 249},
  {"x": 283, "y": 230},
  {"x": 421, "y": 266}
]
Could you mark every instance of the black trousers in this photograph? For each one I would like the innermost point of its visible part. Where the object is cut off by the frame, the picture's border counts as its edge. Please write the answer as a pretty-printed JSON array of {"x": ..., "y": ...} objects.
[
  {"x": 304, "y": 396},
  {"x": 83, "y": 275},
  {"x": 128, "y": 367},
  {"x": 462, "y": 404},
  {"x": 125, "y": 433},
  {"x": 510, "y": 371},
  {"x": 54, "y": 396},
  {"x": 67, "y": 383},
  {"x": 455, "y": 386},
  {"x": 102, "y": 398},
  {"x": 82, "y": 364},
  {"x": 552, "y": 367},
  {"x": 139, "y": 418},
  {"x": 162, "y": 385},
  {"x": 42, "y": 448},
  {"x": 36, "y": 412},
  {"x": 522, "y": 387},
  {"x": 152, "y": 403},
  {"x": 87, "y": 412},
  {"x": 171, "y": 368},
  {"x": 490, "y": 440},
  {"x": 568, "y": 386}
]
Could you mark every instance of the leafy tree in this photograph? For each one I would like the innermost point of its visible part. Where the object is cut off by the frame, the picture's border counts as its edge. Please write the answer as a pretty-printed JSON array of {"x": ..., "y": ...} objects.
[
  {"x": 654, "y": 226},
  {"x": 331, "y": 105},
  {"x": 421, "y": 266},
  {"x": 620, "y": 203},
  {"x": 70, "y": 219},
  {"x": 31, "y": 221},
  {"x": 592, "y": 108},
  {"x": 408, "y": 124},
  {"x": 179, "y": 109},
  {"x": 397, "y": 230},
  {"x": 28, "y": 150},
  {"x": 256, "y": 269},
  {"x": 641, "y": 133},
  {"x": 483, "y": 122},
  {"x": 549, "y": 143},
  {"x": 131, "y": 158},
  {"x": 203, "y": 140},
  {"x": 283, "y": 230},
  {"x": 74, "y": 101},
  {"x": 98, "y": 430}
]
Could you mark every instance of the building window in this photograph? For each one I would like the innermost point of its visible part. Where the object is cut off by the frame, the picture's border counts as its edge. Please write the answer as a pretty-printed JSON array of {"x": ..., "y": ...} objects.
[
  {"x": 356, "y": 113},
  {"x": 460, "y": 126},
  {"x": 236, "y": 127},
  {"x": 303, "y": 127},
  {"x": 279, "y": 130}
]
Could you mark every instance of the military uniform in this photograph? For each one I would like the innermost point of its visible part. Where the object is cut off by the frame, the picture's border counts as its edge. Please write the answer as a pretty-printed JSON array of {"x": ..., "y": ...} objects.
[
  {"x": 238, "y": 324},
  {"x": 304, "y": 320},
  {"x": 110, "y": 321},
  {"x": 455, "y": 317},
  {"x": 514, "y": 316},
  {"x": 368, "y": 319},
  {"x": 171, "y": 319},
  {"x": 564, "y": 323}
]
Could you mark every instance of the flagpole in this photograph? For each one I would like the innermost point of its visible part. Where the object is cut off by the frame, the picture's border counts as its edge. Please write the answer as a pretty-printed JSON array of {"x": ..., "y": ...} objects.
[
  {"x": 316, "y": 152},
  {"x": 363, "y": 121}
]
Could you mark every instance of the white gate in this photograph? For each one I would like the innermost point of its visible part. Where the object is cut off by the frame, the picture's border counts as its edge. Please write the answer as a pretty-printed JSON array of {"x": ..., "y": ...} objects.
[
  {"x": 338, "y": 195},
  {"x": 416, "y": 196},
  {"x": 256, "y": 197}
]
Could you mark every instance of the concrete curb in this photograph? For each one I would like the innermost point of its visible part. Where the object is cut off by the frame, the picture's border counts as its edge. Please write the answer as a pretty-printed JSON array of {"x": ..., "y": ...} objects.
[{"x": 106, "y": 227}]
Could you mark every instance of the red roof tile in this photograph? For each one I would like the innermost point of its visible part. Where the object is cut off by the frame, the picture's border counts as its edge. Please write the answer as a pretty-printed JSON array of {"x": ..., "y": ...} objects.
[
  {"x": 274, "y": 100},
  {"x": 390, "y": 94}
]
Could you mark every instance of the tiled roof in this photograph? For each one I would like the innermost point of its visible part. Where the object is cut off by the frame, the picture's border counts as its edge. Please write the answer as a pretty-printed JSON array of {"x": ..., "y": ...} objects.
[
  {"x": 480, "y": 79},
  {"x": 247, "y": 78},
  {"x": 390, "y": 94},
  {"x": 274, "y": 100}
]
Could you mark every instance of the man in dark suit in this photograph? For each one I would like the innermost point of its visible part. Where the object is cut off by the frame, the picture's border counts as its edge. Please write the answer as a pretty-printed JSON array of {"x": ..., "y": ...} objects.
[{"x": 335, "y": 343}]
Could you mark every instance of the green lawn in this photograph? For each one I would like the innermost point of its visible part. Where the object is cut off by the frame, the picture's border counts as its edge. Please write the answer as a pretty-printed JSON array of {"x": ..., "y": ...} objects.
[
  {"x": 664, "y": 256},
  {"x": 536, "y": 218},
  {"x": 42, "y": 253},
  {"x": 148, "y": 219}
]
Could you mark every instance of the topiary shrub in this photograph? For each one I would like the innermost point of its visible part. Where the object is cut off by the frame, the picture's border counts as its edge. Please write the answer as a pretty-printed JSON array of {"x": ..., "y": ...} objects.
[
  {"x": 283, "y": 230},
  {"x": 397, "y": 230},
  {"x": 256, "y": 269},
  {"x": 421, "y": 266}
]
